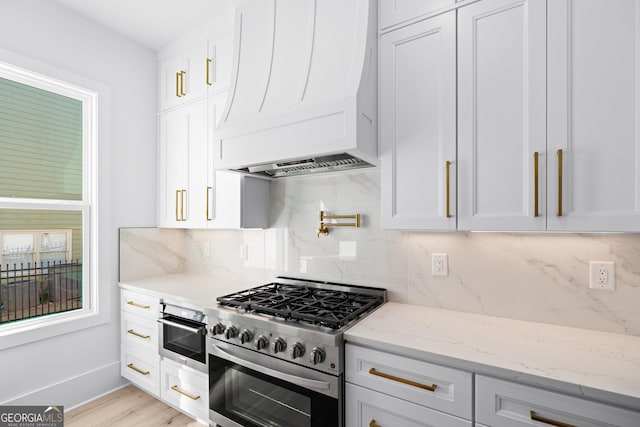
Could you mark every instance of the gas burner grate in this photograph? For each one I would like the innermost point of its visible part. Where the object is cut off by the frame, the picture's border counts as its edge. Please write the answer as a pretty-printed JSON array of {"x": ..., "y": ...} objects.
[{"x": 324, "y": 307}]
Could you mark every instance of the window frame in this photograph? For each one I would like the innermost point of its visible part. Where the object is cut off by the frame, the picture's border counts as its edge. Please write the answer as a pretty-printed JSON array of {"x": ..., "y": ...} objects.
[{"x": 36, "y": 328}]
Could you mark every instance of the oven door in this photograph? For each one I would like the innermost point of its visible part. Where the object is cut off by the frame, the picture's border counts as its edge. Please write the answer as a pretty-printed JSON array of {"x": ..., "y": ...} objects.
[
  {"x": 250, "y": 389},
  {"x": 183, "y": 340}
]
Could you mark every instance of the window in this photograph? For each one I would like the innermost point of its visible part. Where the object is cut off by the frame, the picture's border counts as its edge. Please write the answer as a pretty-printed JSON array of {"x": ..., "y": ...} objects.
[{"x": 47, "y": 141}]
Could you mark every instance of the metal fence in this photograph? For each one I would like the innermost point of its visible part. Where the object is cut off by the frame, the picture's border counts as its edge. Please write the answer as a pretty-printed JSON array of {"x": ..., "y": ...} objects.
[{"x": 28, "y": 290}]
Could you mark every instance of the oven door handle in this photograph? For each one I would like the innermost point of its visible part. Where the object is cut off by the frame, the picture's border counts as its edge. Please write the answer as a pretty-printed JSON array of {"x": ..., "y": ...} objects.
[
  {"x": 303, "y": 382},
  {"x": 202, "y": 330}
]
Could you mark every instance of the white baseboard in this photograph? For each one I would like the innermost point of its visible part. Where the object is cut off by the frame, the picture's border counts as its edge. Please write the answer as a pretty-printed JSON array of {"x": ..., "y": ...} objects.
[{"x": 75, "y": 391}]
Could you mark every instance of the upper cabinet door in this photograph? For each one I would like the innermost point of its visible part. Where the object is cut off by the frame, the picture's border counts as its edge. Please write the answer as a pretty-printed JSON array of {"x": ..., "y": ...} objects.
[
  {"x": 502, "y": 115},
  {"x": 594, "y": 115},
  {"x": 418, "y": 125},
  {"x": 394, "y": 12}
]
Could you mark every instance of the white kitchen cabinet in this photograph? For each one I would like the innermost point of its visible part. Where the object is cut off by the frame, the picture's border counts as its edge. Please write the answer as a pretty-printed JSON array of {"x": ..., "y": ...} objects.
[
  {"x": 184, "y": 77},
  {"x": 139, "y": 304},
  {"x": 199, "y": 69},
  {"x": 437, "y": 387},
  {"x": 502, "y": 403},
  {"x": 418, "y": 124},
  {"x": 191, "y": 194},
  {"x": 183, "y": 175},
  {"x": 393, "y": 12},
  {"x": 368, "y": 408},
  {"x": 594, "y": 115},
  {"x": 139, "y": 358},
  {"x": 185, "y": 389},
  {"x": 502, "y": 115}
]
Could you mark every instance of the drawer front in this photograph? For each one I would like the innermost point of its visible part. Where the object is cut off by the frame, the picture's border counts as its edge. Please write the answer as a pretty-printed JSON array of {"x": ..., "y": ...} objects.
[
  {"x": 139, "y": 332},
  {"x": 185, "y": 389},
  {"x": 141, "y": 369},
  {"x": 367, "y": 408},
  {"x": 405, "y": 377},
  {"x": 140, "y": 304},
  {"x": 502, "y": 403},
  {"x": 394, "y": 12}
]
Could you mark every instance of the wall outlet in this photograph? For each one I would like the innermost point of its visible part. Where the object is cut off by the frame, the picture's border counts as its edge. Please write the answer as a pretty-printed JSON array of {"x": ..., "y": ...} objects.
[
  {"x": 439, "y": 265},
  {"x": 244, "y": 252},
  {"x": 602, "y": 275}
]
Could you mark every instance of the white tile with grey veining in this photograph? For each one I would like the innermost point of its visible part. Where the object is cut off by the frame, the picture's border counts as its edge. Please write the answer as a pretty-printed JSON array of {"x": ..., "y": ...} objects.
[
  {"x": 365, "y": 255},
  {"x": 146, "y": 252},
  {"x": 542, "y": 278}
]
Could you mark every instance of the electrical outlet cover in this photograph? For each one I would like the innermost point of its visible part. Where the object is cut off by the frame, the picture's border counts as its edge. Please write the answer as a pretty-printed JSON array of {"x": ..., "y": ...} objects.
[
  {"x": 602, "y": 275},
  {"x": 439, "y": 265}
]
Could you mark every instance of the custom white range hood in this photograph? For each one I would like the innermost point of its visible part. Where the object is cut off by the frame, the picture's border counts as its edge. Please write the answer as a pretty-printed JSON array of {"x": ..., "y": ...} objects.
[{"x": 303, "y": 90}]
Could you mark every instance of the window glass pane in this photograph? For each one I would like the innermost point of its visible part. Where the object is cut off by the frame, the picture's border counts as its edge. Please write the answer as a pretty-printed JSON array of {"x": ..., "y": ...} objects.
[
  {"x": 40, "y": 267},
  {"x": 35, "y": 219},
  {"x": 40, "y": 143}
]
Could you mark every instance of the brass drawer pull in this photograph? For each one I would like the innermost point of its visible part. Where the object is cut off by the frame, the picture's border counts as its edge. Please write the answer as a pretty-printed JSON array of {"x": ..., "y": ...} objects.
[
  {"x": 549, "y": 421},
  {"x": 184, "y": 393},
  {"x": 206, "y": 213},
  {"x": 559, "y": 182},
  {"x": 535, "y": 184},
  {"x": 431, "y": 387},
  {"x": 448, "y": 189},
  {"x": 144, "y": 307},
  {"x": 373, "y": 423},
  {"x": 208, "y": 71},
  {"x": 132, "y": 332},
  {"x": 138, "y": 370}
]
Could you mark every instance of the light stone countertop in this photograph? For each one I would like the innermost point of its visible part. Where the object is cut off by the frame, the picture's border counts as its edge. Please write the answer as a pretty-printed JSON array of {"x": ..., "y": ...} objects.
[
  {"x": 194, "y": 290},
  {"x": 598, "y": 365}
]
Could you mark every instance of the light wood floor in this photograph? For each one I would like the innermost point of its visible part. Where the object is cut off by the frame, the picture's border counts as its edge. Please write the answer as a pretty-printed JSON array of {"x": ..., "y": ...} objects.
[{"x": 127, "y": 407}]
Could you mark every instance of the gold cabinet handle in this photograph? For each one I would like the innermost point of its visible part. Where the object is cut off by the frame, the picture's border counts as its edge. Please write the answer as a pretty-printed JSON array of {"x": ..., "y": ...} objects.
[
  {"x": 183, "y": 194},
  {"x": 138, "y": 370},
  {"x": 135, "y": 304},
  {"x": 448, "y": 189},
  {"x": 373, "y": 423},
  {"x": 177, "y": 205},
  {"x": 178, "y": 85},
  {"x": 184, "y": 393},
  {"x": 535, "y": 184},
  {"x": 137, "y": 334},
  {"x": 431, "y": 387},
  {"x": 549, "y": 421},
  {"x": 208, "y": 218},
  {"x": 560, "y": 182},
  {"x": 209, "y": 60},
  {"x": 182, "y": 92}
]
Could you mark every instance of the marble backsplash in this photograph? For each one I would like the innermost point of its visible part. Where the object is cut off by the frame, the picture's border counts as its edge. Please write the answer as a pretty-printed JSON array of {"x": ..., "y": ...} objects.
[{"x": 528, "y": 276}]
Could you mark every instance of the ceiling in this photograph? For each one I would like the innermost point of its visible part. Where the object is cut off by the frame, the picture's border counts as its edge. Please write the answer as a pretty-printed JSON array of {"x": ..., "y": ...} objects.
[{"x": 151, "y": 23}]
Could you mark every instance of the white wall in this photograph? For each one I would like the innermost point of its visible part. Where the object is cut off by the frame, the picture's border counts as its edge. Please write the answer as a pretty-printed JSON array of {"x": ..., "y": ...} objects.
[{"x": 69, "y": 369}]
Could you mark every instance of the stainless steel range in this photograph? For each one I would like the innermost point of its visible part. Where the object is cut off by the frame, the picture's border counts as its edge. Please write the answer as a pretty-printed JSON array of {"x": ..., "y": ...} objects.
[{"x": 276, "y": 352}]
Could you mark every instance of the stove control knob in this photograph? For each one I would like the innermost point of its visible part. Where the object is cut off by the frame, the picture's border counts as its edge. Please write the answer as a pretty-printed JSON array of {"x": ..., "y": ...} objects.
[
  {"x": 279, "y": 345},
  {"x": 245, "y": 336},
  {"x": 297, "y": 350},
  {"x": 261, "y": 342},
  {"x": 317, "y": 355},
  {"x": 231, "y": 332},
  {"x": 218, "y": 329}
]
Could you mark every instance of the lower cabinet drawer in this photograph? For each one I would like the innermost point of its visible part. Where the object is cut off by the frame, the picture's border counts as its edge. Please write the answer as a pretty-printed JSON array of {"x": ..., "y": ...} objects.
[
  {"x": 501, "y": 403},
  {"x": 368, "y": 408},
  {"x": 139, "y": 332},
  {"x": 185, "y": 388},
  {"x": 438, "y": 387},
  {"x": 141, "y": 368}
]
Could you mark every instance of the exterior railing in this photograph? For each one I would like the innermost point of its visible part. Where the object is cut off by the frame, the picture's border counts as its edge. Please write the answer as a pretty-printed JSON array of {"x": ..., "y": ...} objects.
[{"x": 33, "y": 290}]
